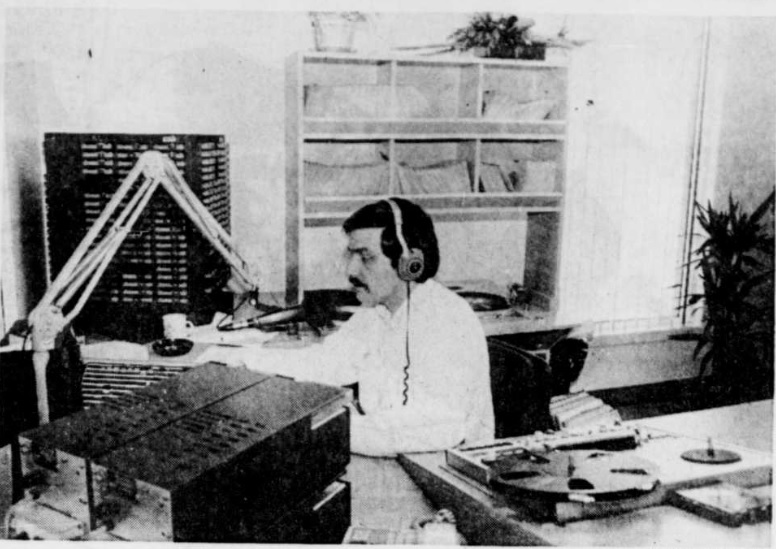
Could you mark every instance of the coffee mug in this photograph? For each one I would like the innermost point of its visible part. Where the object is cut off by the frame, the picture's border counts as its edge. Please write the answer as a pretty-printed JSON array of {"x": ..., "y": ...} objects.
[{"x": 176, "y": 326}]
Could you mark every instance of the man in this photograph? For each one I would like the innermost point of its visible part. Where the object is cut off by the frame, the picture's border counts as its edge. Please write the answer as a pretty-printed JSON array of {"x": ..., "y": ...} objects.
[{"x": 416, "y": 350}]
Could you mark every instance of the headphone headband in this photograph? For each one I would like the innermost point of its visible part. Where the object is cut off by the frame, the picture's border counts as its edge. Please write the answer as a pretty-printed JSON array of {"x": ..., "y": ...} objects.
[
  {"x": 411, "y": 262},
  {"x": 398, "y": 222}
]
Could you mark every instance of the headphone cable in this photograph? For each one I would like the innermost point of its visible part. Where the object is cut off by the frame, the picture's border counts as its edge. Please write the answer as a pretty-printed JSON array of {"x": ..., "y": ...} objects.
[{"x": 405, "y": 391}]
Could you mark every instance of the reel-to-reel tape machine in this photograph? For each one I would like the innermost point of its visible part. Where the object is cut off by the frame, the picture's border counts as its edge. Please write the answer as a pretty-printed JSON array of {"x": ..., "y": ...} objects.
[
  {"x": 579, "y": 474},
  {"x": 567, "y": 484}
]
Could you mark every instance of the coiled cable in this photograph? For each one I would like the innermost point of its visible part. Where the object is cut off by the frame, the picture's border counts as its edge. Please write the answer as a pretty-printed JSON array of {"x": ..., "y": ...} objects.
[{"x": 406, "y": 390}]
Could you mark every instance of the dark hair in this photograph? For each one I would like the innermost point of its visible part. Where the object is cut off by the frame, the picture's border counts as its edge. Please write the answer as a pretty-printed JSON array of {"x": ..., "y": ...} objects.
[{"x": 418, "y": 229}]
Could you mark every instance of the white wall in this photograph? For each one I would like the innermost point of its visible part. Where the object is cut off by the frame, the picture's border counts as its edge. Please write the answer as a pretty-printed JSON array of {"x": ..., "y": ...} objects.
[
  {"x": 634, "y": 91},
  {"x": 746, "y": 159},
  {"x": 222, "y": 72}
]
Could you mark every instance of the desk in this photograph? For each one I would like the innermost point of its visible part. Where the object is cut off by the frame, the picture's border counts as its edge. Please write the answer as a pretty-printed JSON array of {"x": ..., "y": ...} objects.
[
  {"x": 384, "y": 496},
  {"x": 508, "y": 322},
  {"x": 484, "y": 521}
]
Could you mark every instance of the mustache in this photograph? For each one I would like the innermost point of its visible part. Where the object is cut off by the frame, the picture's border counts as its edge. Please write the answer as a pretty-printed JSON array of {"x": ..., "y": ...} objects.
[{"x": 357, "y": 283}]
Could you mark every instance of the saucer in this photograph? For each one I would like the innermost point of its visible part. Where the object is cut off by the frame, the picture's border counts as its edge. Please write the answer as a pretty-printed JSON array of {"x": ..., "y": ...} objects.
[{"x": 172, "y": 347}]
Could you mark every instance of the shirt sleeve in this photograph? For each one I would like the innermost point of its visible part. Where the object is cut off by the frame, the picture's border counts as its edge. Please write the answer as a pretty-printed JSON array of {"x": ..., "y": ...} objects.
[
  {"x": 426, "y": 427},
  {"x": 333, "y": 361}
]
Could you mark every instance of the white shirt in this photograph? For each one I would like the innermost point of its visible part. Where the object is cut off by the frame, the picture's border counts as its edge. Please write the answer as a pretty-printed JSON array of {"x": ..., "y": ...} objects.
[{"x": 448, "y": 379}]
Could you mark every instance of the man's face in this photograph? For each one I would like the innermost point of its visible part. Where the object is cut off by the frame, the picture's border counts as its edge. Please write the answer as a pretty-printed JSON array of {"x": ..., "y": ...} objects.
[{"x": 370, "y": 272}]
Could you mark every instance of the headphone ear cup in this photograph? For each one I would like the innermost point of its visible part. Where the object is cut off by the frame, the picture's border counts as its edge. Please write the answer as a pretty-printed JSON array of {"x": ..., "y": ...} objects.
[{"x": 411, "y": 265}]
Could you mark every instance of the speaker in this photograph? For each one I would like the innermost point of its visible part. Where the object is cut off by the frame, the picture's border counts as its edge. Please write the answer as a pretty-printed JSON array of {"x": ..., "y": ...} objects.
[{"x": 411, "y": 262}]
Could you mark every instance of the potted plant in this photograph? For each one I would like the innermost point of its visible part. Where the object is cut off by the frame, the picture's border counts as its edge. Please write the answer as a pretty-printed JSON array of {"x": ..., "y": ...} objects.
[
  {"x": 735, "y": 262},
  {"x": 506, "y": 37}
]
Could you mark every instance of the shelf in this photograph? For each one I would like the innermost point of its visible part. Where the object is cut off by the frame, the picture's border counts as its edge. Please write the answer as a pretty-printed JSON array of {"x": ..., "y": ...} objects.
[
  {"x": 359, "y": 129},
  {"x": 325, "y": 212},
  {"x": 479, "y": 144},
  {"x": 435, "y": 202},
  {"x": 453, "y": 60}
]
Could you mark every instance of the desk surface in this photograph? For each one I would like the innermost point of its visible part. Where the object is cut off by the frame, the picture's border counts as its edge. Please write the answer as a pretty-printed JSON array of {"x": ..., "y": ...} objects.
[
  {"x": 656, "y": 526},
  {"x": 749, "y": 424}
]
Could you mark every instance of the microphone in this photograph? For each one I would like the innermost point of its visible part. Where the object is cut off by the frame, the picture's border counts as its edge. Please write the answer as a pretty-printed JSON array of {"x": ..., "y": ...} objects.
[
  {"x": 240, "y": 324},
  {"x": 269, "y": 319}
]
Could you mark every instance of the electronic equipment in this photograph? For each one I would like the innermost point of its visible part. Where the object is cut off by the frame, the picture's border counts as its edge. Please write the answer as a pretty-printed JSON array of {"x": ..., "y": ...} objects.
[
  {"x": 213, "y": 454},
  {"x": 411, "y": 263},
  {"x": 6, "y": 482},
  {"x": 109, "y": 379},
  {"x": 474, "y": 461},
  {"x": 165, "y": 264},
  {"x": 267, "y": 320},
  {"x": 711, "y": 455},
  {"x": 573, "y": 484},
  {"x": 484, "y": 301},
  {"x": 410, "y": 268},
  {"x": 319, "y": 309},
  {"x": 58, "y": 455},
  {"x": 573, "y": 475}
]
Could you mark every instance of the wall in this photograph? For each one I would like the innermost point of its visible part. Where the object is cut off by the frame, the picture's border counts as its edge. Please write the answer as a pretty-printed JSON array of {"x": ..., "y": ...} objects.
[
  {"x": 631, "y": 134},
  {"x": 746, "y": 160},
  {"x": 156, "y": 71},
  {"x": 220, "y": 71}
]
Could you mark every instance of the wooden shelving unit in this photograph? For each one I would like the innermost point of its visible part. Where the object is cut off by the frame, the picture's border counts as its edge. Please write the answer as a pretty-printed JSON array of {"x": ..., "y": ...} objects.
[{"x": 361, "y": 128}]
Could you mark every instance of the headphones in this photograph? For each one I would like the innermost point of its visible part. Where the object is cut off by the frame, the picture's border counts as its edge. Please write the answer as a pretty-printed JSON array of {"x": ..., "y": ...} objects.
[{"x": 411, "y": 262}]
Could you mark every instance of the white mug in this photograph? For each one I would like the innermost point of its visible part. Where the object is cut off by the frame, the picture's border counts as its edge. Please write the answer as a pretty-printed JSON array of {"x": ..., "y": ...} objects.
[{"x": 176, "y": 326}]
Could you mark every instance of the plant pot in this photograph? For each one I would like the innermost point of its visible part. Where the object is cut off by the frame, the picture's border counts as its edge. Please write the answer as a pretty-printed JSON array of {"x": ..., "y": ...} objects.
[
  {"x": 535, "y": 52},
  {"x": 333, "y": 33}
]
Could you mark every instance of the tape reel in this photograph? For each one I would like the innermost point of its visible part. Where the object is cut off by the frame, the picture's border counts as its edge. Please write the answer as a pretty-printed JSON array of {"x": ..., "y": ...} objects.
[{"x": 577, "y": 475}]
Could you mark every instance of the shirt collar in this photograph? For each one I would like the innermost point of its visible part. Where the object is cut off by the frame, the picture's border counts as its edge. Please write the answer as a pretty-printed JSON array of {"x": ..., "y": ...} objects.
[{"x": 418, "y": 296}]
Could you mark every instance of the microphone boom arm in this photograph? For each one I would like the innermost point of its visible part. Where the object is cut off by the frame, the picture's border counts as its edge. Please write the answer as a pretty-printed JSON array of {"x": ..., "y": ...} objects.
[{"x": 88, "y": 263}]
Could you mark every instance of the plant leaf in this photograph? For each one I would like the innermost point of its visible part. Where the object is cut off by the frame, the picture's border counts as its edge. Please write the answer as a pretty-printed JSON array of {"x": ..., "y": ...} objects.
[{"x": 705, "y": 361}]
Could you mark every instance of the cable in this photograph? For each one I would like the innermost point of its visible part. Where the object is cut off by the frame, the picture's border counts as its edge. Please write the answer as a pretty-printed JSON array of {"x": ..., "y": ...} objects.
[
  {"x": 406, "y": 390},
  {"x": 235, "y": 308}
]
